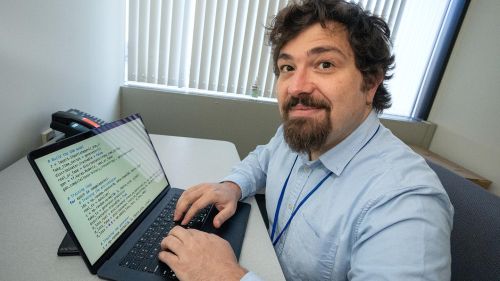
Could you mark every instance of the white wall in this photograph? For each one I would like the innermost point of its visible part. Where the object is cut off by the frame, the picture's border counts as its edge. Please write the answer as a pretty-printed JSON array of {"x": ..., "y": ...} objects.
[
  {"x": 54, "y": 55},
  {"x": 467, "y": 106}
]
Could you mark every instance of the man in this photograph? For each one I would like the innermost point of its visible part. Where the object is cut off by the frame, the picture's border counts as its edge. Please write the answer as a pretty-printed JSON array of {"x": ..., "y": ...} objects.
[{"x": 346, "y": 199}]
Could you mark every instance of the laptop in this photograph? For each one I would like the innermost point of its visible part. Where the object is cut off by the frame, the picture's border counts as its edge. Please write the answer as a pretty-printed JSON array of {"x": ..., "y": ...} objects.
[{"x": 112, "y": 195}]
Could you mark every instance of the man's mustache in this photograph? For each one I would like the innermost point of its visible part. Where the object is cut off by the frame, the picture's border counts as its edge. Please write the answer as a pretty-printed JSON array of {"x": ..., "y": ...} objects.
[{"x": 306, "y": 100}]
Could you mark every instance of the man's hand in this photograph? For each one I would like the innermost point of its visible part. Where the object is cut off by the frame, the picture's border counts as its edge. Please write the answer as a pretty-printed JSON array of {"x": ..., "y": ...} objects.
[
  {"x": 223, "y": 195},
  {"x": 197, "y": 255}
]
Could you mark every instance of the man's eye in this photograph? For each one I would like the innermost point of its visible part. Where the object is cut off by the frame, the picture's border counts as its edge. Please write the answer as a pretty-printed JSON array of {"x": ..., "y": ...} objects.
[
  {"x": 325, "y": 65},
  {"x": 286, "y": 68}
]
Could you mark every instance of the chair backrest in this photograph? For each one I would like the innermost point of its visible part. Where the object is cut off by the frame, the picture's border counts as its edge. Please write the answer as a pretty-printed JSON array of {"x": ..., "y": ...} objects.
[{"x": 475, "y": 238}]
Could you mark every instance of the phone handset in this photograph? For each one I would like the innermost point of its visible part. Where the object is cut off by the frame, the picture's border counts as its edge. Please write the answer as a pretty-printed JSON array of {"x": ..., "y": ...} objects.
[{"x": 73, "y": 122}]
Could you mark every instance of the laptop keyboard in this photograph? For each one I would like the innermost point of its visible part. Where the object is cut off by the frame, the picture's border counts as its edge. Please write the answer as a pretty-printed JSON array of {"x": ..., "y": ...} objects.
[{"x": 144, "y": 255}]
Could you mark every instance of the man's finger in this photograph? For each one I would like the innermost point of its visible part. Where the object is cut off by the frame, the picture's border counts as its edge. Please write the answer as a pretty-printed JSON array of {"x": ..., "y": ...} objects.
[
  {"x": 169, "y": 258},
  {"x": 186, "y": 200},
  {"x": 180, "y": 233},
  {"x": 223, "y": 215},
  {"x": 199, "y": 204},
  {"x": 171, "y": 243}
]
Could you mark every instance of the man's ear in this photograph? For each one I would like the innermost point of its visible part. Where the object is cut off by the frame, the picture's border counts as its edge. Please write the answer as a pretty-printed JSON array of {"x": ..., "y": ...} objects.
[{"x": 371, "y": 87}]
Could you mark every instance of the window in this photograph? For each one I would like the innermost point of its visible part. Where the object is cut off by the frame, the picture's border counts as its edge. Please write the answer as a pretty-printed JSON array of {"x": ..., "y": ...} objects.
[{"x": 218, "y": 47}]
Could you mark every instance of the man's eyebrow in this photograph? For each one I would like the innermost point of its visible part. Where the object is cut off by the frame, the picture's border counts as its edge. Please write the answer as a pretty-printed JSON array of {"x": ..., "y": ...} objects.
[
  {"x": 284, "y": 56},
  {"x": 325, "y": 49},
  {"x": 314, "y": 51}
]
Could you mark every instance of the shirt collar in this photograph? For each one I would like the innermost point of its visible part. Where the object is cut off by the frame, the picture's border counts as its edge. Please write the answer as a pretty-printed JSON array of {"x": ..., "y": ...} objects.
[{"x": 337, "y": 158}]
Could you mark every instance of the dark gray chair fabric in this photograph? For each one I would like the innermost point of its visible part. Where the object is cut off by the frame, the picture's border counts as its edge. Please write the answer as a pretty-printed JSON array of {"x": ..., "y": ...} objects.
[{"x": 475, "y": 239}]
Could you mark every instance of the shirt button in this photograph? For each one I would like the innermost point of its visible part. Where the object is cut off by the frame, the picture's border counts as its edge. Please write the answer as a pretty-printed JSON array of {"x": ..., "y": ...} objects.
[
  {"x": 290, "y": 206},
  {"x": 307, "y": 169}
]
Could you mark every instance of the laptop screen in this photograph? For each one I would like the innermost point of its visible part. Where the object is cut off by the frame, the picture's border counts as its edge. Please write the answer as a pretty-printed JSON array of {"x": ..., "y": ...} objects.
[{"x": 104, "y": 182}]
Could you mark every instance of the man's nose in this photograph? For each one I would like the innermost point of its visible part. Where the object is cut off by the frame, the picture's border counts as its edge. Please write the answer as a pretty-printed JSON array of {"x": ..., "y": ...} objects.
[{"x": 300, "y": 83}]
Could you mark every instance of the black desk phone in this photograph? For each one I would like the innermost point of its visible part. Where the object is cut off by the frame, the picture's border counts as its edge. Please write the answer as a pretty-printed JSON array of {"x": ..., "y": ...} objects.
[{"x": 74, "y": 121}]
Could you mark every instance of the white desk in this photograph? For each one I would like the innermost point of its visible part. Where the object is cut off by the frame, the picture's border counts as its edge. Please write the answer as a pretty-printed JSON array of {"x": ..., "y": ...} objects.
[{"x": 30, "y": 230}]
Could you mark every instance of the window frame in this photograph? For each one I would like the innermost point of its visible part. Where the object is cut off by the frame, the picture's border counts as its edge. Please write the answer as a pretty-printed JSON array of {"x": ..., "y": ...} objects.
[{"x": 439, "y": 60}]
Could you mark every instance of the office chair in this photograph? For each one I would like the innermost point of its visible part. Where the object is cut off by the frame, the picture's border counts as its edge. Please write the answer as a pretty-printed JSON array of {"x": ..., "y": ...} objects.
[{"x": 475, "y": 238}]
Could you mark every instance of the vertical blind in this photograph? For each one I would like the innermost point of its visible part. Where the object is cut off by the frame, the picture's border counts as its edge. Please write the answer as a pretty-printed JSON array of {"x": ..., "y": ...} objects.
[{"x": 214, "y": 45}]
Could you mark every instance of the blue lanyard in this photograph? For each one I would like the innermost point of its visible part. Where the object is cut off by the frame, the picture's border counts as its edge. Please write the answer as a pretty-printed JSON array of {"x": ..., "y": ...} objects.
[{"x": 280, "y": 200}]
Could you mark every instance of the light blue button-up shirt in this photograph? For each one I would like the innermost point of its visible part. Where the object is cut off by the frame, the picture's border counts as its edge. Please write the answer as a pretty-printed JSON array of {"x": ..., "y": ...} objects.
[{"x": 381, "y": 215}]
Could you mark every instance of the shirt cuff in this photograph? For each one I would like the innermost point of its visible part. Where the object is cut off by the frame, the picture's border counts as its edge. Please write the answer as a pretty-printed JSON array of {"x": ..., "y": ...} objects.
[{"x": 242, "y": 182}]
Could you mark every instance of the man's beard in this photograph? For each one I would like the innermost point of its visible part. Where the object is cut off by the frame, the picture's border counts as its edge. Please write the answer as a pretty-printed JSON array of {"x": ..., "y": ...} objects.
[{"x": 304, "y": 134}]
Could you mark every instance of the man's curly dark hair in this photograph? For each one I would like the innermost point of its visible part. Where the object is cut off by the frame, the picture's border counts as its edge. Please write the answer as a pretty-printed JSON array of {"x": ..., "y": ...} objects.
[{"x": 368, "y": 35}]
